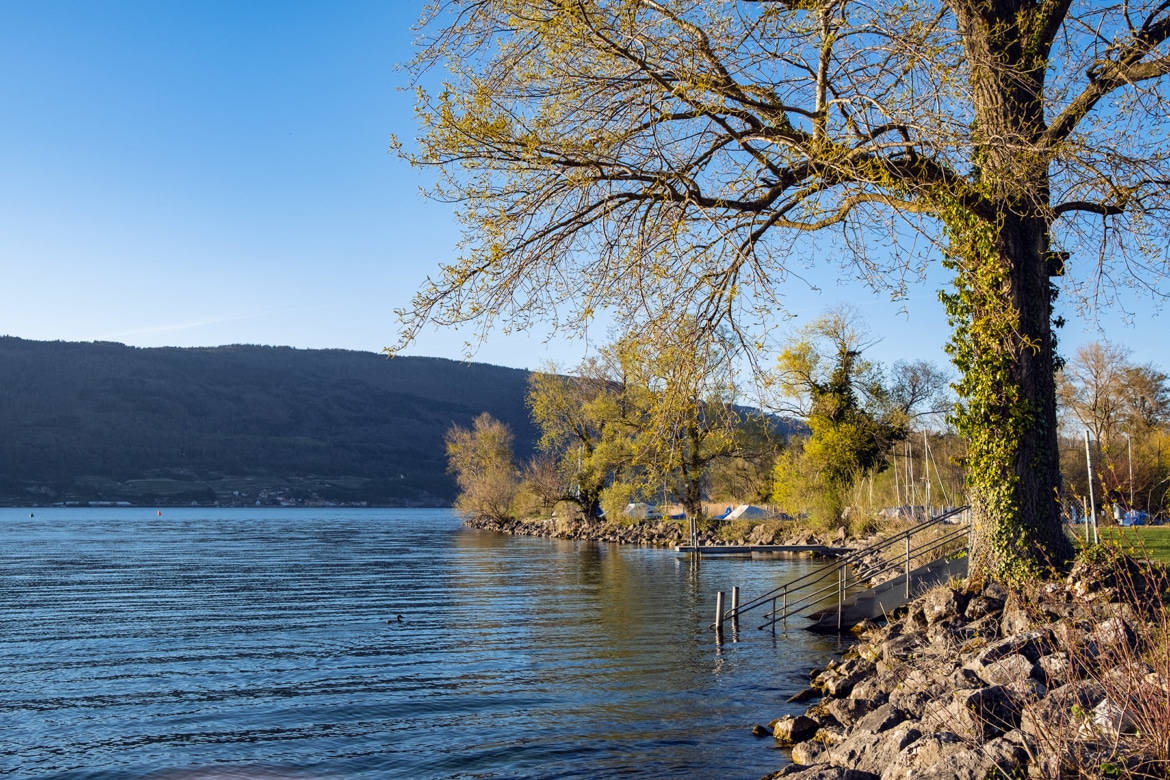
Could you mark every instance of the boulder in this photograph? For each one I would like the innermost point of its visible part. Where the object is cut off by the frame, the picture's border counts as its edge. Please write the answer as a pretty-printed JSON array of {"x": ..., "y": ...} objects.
[
  {"x": 1001, "y": 671},
  {"x": 840, "y": 681},
  {"x": 1062, "y": 711},
  {"x": 981, "y": 606},
  {"x": 872, "y": 752},
  {"x": 789, "y": 730},
  {"x": 820, "y": 772},
  {"x": 875, "y": 689},
  {"x": 830, "y": 735},
  {"x": 1014, "y": 621},
  {"x": 881, "y": 719},
  {"x": 978, "y": 762},
  {"x": 848, "y": 711},
  {"x": 1111, "y": 719},
  {"x": 807, "y": 753},
  {"x": 940, "y": 604},
  {"x": 1113, "y": 634},
  {"x": 1055, "y": 669},
  {"x": 923, "y": 754},
  {"x": 980, "y": 714},
  {"x": 902, "y": 647},
  {"x": 1031, "y": 645},
  {"x": 913, "y": 703},
  {"x": 803, "y": 696}
]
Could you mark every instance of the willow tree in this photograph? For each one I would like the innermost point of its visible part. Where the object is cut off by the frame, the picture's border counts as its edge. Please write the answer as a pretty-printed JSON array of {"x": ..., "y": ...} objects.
[{"x": 657, "y": 157}]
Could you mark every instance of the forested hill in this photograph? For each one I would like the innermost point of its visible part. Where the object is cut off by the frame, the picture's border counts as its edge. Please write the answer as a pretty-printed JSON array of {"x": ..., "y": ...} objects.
[{"x": 239, "y": 424}]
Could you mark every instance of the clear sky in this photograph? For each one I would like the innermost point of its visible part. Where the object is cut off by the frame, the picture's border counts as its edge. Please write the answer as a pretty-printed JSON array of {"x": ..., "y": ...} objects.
[{"x": 195, "y": 173}]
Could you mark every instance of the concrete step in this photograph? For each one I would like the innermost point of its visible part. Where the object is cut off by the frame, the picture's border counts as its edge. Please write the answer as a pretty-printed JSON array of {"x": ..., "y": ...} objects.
[{"x": 877, "y": 602}]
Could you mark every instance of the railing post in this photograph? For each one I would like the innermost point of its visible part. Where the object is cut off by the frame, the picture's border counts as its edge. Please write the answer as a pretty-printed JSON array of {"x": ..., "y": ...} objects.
[
  {"x": 735, "y": 605},
  {"x": 907, "y": 566},
  {"x": 773, "y": 616},
  {"x": 719, "y": 613},
  {"x": 840, "y": 597},
  {"x": 784, "y": 606}
]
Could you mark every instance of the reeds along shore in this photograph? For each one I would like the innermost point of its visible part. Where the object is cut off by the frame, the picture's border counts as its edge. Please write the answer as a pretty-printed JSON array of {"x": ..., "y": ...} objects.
[{"x": 1071, "y": 680}]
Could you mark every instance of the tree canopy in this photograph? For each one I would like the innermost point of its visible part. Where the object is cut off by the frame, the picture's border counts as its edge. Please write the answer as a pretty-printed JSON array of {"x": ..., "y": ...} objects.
[{"x": 657, "y": 158}]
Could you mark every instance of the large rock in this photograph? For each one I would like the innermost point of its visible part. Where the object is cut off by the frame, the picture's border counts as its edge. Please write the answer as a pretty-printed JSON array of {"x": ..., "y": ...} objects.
[
  {"x": 848, "y": 711},
  {"x": 923, "y": 754},
  {"x": 940, "y": 604},
  {"x": 1113, "y": 718},
  {"x": 981, "y": 714},
  {"x": 981, "y": 606},
  {"x": 1031, "y": 645},
  {"x": 873, "y": 752},
  {"x": 976, "y": 763},
  {"x": 807, "y": 753},
  {"x": 1002, "y": 671},
  {"x": 1114, "y": 634},
  {"x": 1062, "y": 711},
  {"x": 839, "y": 681},
  {"x": 1055, "y": 669},
  {"x": 902, "y": 648},
  {"x": 789, "y": 730},
  {"x": 820, "y": 772},
  {"x": 882, "y": 719}
]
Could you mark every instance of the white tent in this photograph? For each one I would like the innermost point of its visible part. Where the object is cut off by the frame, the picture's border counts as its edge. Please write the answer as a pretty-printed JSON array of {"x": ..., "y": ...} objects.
[
  {"x": 749, "y": 512},
  {"x": 640, "y": 511}
]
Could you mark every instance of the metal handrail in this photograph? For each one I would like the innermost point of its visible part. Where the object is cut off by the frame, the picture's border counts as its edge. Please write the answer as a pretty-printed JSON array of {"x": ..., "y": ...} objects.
[
  {"x": 905, "y": 562},
  {"x": 845, "y": 560},
  {"x": 838, "y": 571}
]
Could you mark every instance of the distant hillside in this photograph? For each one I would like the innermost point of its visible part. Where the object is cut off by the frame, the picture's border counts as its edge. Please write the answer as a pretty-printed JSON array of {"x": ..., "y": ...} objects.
[{"x": 107, "y": 422}]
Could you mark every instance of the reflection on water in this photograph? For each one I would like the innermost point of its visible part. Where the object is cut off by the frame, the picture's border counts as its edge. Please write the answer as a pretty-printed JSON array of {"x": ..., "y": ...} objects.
[{"x": 265, "y": 644}]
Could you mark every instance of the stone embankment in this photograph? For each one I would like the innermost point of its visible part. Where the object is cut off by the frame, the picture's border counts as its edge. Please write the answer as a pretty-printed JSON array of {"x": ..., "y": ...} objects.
[
  {"x": 660, "y": 533},
  {"x": 991, "y": 685}
]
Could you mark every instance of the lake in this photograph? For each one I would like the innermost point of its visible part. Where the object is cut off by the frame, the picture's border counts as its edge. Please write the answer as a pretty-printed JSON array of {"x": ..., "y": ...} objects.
[{"x": 265, "y": 643}]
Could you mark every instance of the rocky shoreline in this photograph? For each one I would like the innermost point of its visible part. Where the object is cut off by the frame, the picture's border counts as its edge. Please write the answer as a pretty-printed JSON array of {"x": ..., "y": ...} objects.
[
  {"x": 661, "y": 533},
  {"x": 994, "y": 685},
  {"x": 1054, "y": 683}
]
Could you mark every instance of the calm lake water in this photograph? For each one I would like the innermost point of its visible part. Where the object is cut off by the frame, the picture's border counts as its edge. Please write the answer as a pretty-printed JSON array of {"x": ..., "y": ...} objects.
[{"x": 254, "y": 643}]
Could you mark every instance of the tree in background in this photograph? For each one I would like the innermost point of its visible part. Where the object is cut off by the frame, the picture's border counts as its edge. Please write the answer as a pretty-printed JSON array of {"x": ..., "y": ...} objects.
[
  {"x": 1126, "y": 410},
  {"x": 645, "y": 420},
  {"x": 853, "y": 418},
  {"x": 661, "y": 158},
  {"x": 573, "y": 414},
  {"x": 481, "y": 460}
]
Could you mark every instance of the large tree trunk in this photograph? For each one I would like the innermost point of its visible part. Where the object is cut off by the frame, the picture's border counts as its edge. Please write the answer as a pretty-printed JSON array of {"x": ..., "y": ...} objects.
[
  {"x": 1018, "y": 525},
  {"x": 1005, "y": 346}
]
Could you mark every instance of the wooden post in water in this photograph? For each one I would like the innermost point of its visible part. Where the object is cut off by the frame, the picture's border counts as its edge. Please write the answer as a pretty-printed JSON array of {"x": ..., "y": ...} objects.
[
  {"x": 719, "y": 613},
  {"x": 735, "y": 604}
]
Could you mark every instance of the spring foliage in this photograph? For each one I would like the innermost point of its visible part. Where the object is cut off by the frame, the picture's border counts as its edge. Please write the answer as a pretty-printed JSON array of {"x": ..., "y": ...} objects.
[{"x": 664, "y": 158}]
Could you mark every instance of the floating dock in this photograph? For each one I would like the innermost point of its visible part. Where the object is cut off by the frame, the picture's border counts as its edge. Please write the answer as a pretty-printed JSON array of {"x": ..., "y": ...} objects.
[{"x": 765, "y": 550}]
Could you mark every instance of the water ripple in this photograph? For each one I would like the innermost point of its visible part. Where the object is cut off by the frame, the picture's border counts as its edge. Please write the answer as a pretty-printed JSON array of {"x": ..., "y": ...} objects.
[{"x": 265, "y": 645}]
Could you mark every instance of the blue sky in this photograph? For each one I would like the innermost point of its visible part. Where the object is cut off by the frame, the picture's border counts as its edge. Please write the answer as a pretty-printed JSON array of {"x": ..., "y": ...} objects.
[{"x": 203, "y": 173}]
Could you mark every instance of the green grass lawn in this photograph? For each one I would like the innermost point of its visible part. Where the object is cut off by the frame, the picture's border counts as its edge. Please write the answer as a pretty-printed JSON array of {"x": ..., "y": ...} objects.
[{"x": 1152, "y": 542}]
